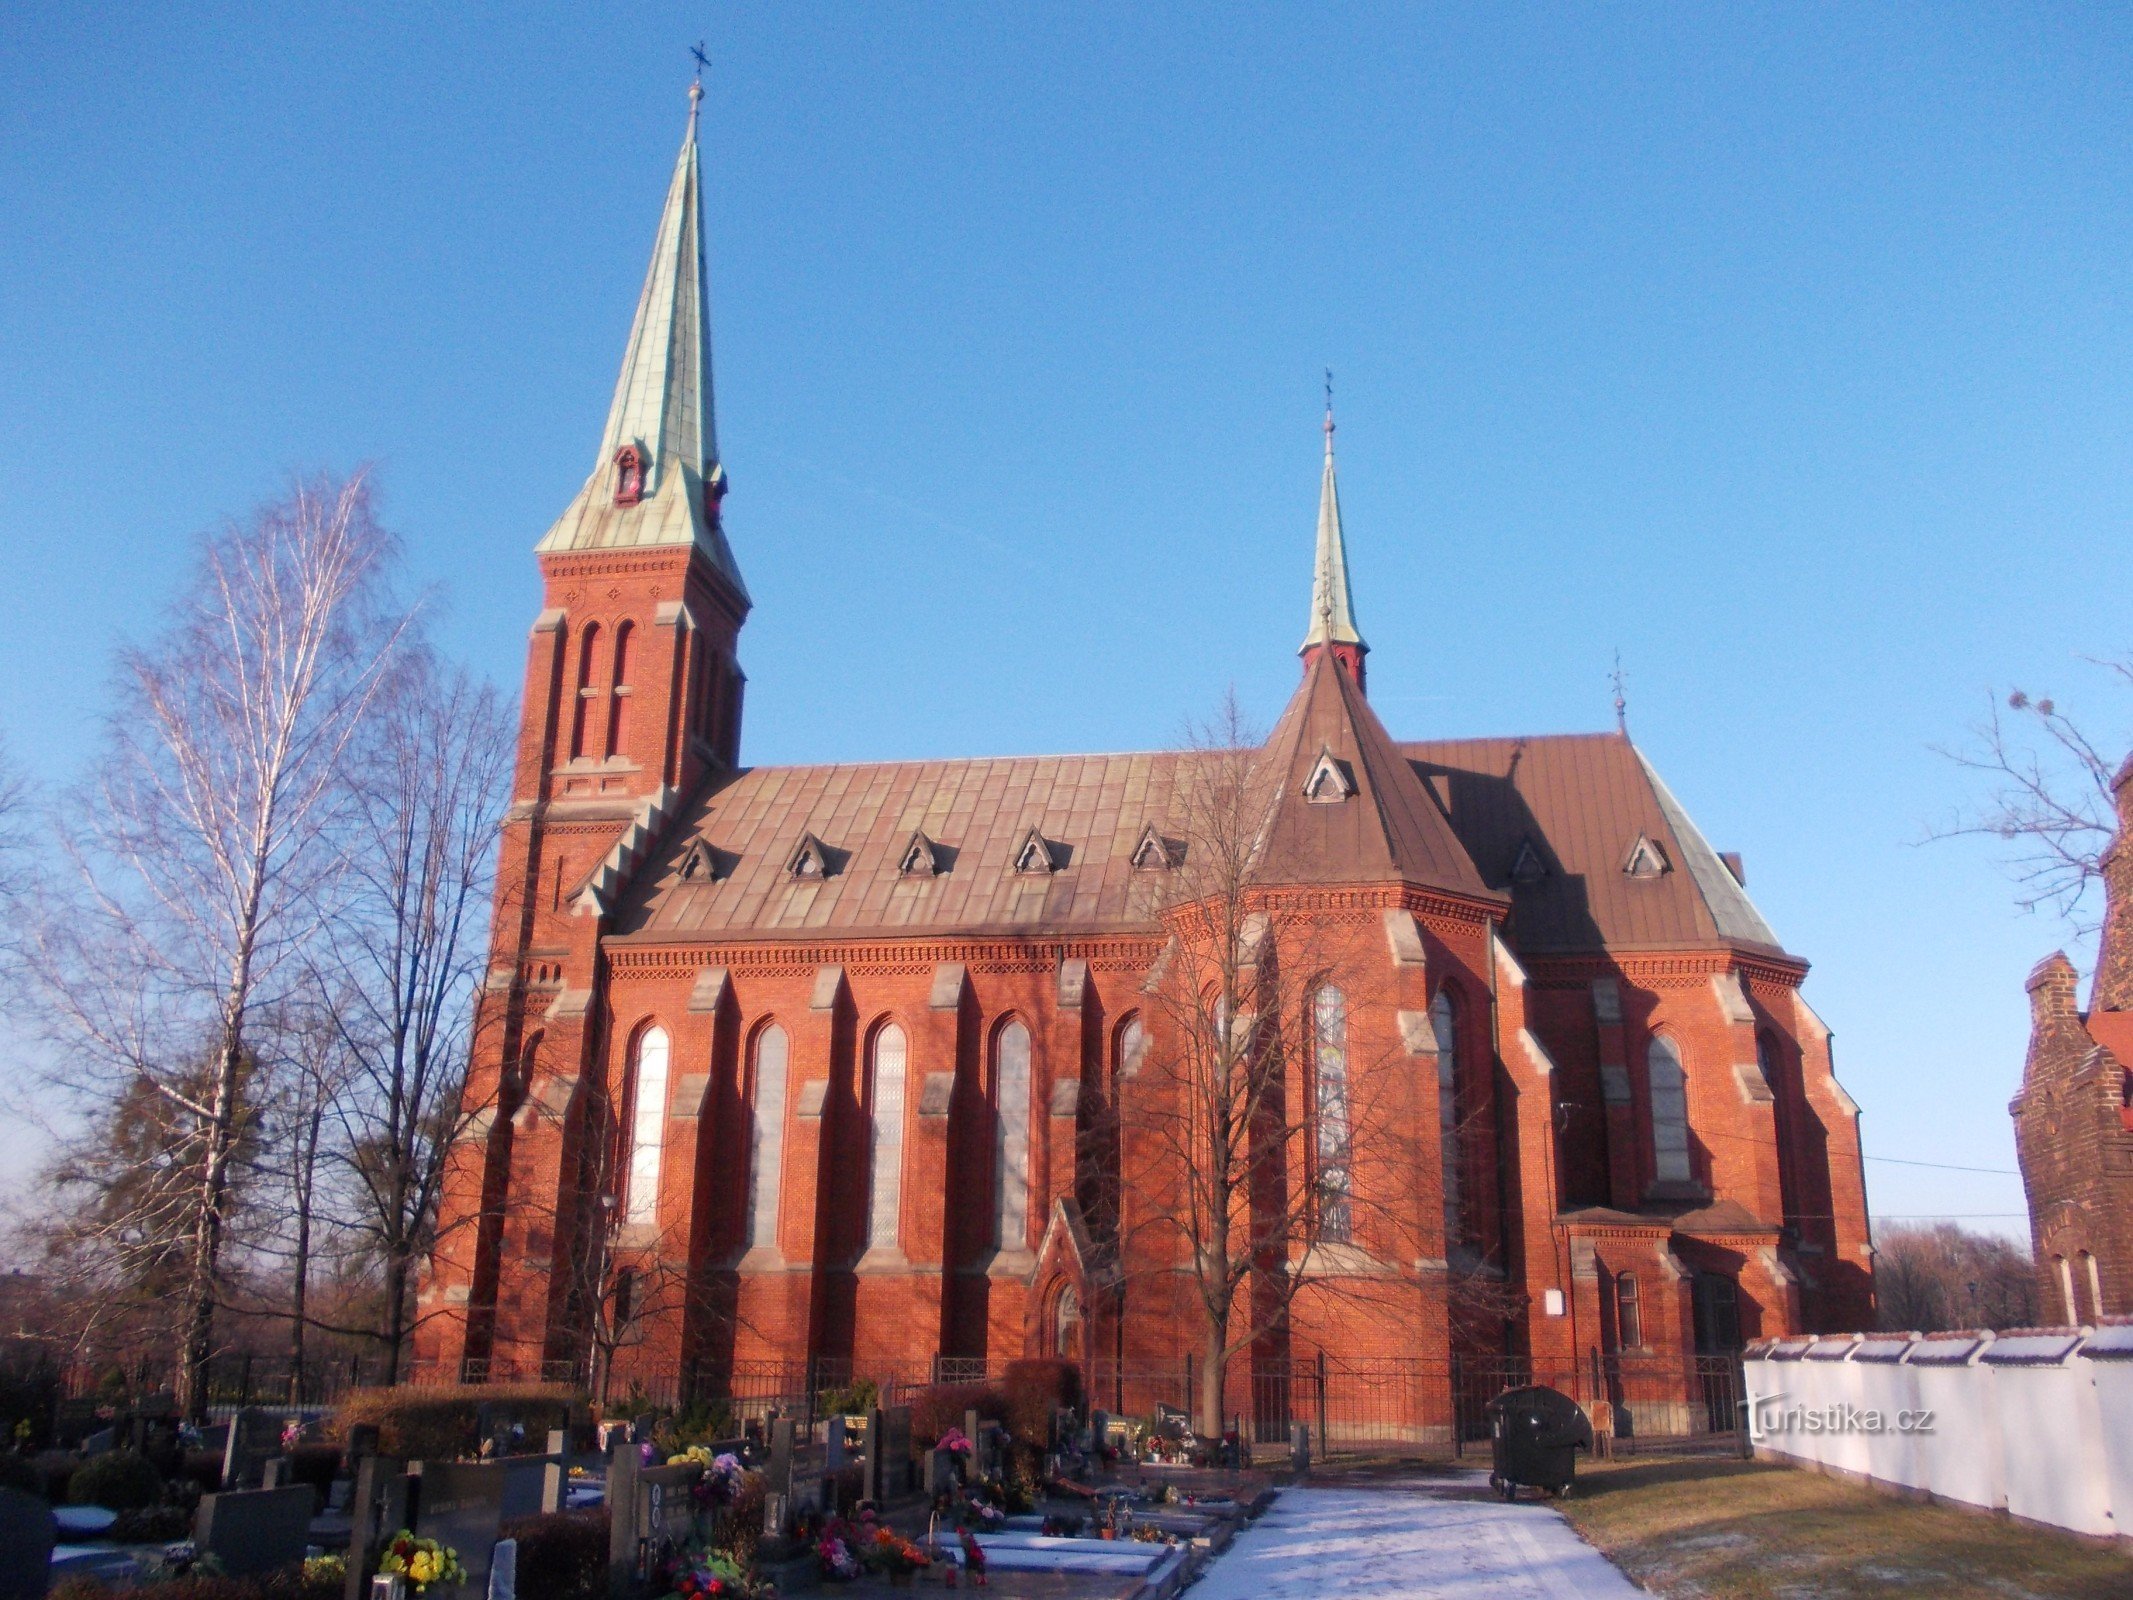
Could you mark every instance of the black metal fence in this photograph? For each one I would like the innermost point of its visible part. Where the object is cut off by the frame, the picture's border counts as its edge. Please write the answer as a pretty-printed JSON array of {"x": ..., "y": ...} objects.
[{"x": 1415, "y": 1406}]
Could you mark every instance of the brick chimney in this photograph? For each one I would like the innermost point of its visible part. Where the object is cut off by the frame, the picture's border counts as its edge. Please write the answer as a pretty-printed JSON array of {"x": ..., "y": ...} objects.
[{"x": 2051, "y": 991}]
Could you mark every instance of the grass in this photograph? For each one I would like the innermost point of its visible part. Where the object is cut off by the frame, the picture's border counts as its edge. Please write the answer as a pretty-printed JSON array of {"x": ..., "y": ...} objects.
[{"x": 1752, "y": 1530}]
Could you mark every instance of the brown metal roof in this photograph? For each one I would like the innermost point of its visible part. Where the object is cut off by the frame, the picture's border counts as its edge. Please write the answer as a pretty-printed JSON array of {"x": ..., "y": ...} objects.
[
  {"x": 1090, "y": 811},
  {"x": 1387, "y": 829},
  {"x": 1583, "y": 800}
]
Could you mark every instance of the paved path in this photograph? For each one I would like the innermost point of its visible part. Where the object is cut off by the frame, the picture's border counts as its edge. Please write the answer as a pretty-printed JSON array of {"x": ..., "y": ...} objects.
[{"x": 1411, "y": 1538}]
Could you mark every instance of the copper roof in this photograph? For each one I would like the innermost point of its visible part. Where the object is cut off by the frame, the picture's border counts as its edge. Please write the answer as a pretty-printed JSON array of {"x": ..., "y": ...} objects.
[{"x": 1582, "y": 801}]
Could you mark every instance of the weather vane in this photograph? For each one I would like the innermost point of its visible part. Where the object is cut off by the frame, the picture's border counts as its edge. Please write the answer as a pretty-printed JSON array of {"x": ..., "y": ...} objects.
[
  {"x": 1620, "y": 680},
  {"x": 1329, "y": 408}
]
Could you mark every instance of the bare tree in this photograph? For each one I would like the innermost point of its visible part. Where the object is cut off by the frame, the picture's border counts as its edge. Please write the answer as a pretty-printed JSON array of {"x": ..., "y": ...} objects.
[
  {"x": 1255, "y": 1118},
  {"x": 14, "y": 842},
  {"x": 2047, "y": 796},
  {"x": 204, "y": 848},
  {"x": 411, "y": 934},
  {"x": 1928, "y": 1279}
]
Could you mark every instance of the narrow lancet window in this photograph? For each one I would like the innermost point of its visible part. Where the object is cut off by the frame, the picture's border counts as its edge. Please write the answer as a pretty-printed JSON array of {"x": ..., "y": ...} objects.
[
  {"x": 581, "y": 712},
  {"x": 1444, "y": 1023},
  {"x": 885, "y": 1201},
  {"x": 1010, "y": 1168},
  {"x": 1670, "y": 1113},
  {"x": 1336, "y": 1221},
  {"x": 648, "y": 1129},
  {"x": 618, "y": 695},
  {"x": 766, "y": 1144}
]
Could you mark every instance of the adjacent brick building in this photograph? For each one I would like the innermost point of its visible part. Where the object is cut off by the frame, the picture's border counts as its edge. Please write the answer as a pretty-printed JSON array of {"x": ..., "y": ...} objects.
[
  {"x": 2074, "y": 1116},
  {"x": 851, "y": 1064}
]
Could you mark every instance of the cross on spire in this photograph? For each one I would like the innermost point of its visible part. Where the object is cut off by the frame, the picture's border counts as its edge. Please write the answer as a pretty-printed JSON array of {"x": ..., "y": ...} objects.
[
  {"x": 696, "y": 85},
  {"x": 1620, "y": 680}
]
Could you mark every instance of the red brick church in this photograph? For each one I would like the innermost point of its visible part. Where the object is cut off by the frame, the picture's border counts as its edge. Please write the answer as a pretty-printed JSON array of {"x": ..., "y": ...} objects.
[{"x": 869, "y": 1065}]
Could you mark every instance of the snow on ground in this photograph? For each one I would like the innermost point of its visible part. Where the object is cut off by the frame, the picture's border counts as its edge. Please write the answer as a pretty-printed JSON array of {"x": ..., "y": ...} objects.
[{"x": 1412, "y": 1539}]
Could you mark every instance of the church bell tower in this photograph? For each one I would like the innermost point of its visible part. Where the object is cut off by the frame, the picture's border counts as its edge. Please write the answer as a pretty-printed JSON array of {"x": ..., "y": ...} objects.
[{"x": 632, "y": 702}]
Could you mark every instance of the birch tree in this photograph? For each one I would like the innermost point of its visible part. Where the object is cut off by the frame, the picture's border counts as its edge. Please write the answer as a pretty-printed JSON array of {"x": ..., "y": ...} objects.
[{"x": 203, "y": 851}]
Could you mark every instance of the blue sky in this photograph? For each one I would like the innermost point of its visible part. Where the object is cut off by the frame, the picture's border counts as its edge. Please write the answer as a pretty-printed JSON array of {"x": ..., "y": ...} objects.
[{"x": 1784, "y": 349}]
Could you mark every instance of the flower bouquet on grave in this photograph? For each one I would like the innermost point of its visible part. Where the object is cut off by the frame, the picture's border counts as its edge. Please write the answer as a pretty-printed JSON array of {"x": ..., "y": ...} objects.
[
  {"x": 834, "y": 1551},
  {"x": 705, "y": 1575},
  {"x": 422, "y": 1561},
  {"x": 885, "y": 1551},
  {"x": 956, "y": 1442}
]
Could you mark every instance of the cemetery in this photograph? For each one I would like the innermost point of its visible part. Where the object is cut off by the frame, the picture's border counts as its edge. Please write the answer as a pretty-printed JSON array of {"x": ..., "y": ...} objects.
[{"x": 530, "y": 1493}]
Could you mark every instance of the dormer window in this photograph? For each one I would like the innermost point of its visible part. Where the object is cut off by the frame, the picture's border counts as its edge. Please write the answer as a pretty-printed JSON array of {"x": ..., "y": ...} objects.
[
  {"x": 919, "y": 858},
  {"x": 1329, "y": 782},
  {"x": 629, "y": 475},
  {"x": 1529, "y": 868},
  {"x": 1154, "y": 853},
  {"x": 1037, "y": 855},
  {"x": 699, "y": 864},
  {"x": 811, "y": 861},
  {"x": 1645, "y": 860}
]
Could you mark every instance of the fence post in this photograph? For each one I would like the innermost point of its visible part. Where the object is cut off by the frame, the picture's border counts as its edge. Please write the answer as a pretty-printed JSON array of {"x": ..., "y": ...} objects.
[
  {"x": 244, "y": 1380},
  {"x": 1458, "y": 1409},
  {"x": 1192, "y": 1408},
  {"x": 1323, "y": 1449}
]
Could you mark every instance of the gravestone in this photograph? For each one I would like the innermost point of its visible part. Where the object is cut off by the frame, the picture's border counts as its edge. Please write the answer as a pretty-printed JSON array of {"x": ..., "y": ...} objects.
[
  {"x": 461, "y": 1505},
  {"x": 941, "y": 1473},
  {"x": 377, "y": 1508},
  {"x": 26, "y": 1539},
  {"x": 503, "y": 1571},
  {"x": 251, "y": 1531},
  {"x": 255, "y": 1439},
  {"x": 1300, "y": 1446},
  {"x": 893, "y": 1472},
  {"x": 74, "y": 1422}
]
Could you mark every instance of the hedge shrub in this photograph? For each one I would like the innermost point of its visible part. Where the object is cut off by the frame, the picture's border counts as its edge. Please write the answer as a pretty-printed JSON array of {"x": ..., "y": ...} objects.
[
  {"x": 287, "y": 1584},
  {"x": 561, "y": 1556},
  {"x": 1036, "y": 1388},
  {"x": 122, "y": 1480},
  {"x": 939, "y": 1407},
  {"x": 442, "y": 1424}
]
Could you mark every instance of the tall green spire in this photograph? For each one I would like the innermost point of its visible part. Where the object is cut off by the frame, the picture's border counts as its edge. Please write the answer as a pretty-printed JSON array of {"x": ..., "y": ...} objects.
[
  {"x": 1332, "y": 607},
  {"x": 657, "y": 479}
]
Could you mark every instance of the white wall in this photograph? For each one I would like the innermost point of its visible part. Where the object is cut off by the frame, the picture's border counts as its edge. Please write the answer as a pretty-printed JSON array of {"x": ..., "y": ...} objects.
[{"x": 2036, "y": 1424}]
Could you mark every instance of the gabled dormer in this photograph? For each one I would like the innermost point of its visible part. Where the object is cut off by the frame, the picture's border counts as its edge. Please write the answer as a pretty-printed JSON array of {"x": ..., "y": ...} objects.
[
  {"x": 921, "y": 858},
  {"x": 1645, "y": 859},
  {"x": 1037, "y": 855},
  {"x": 1330, "y": 781},
  {"x": 811, "y": 861},
  {"x": 1154, "y": 853}
]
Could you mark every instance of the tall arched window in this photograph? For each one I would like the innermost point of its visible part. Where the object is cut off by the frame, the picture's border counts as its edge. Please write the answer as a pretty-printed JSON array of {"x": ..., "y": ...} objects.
[
  {"x": 766, "y": 1142},
  {"x": 648, "y": 1128},
  {"x": 581, "y": 712},
  {"x": 1329, "y": 1038},
  {"x": 1010, "y": 1166},
  {"x": 1670, "y": 1112},
  {"x": 886, "y": 1158},
  {"x": 2094, "y": 1281},
  {"x": 1770, "y": 1063},
  {"x": 618, "y": 694},
  {"x": 1132, "y": 1045},
  {"x": 1444, "y": 1022},
  {"x": 1066, "y": 1325}
]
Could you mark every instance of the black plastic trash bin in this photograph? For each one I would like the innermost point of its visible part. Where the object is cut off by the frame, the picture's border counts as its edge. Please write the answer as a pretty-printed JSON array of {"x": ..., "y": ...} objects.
[{"x": 1534, "y": 1435}]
